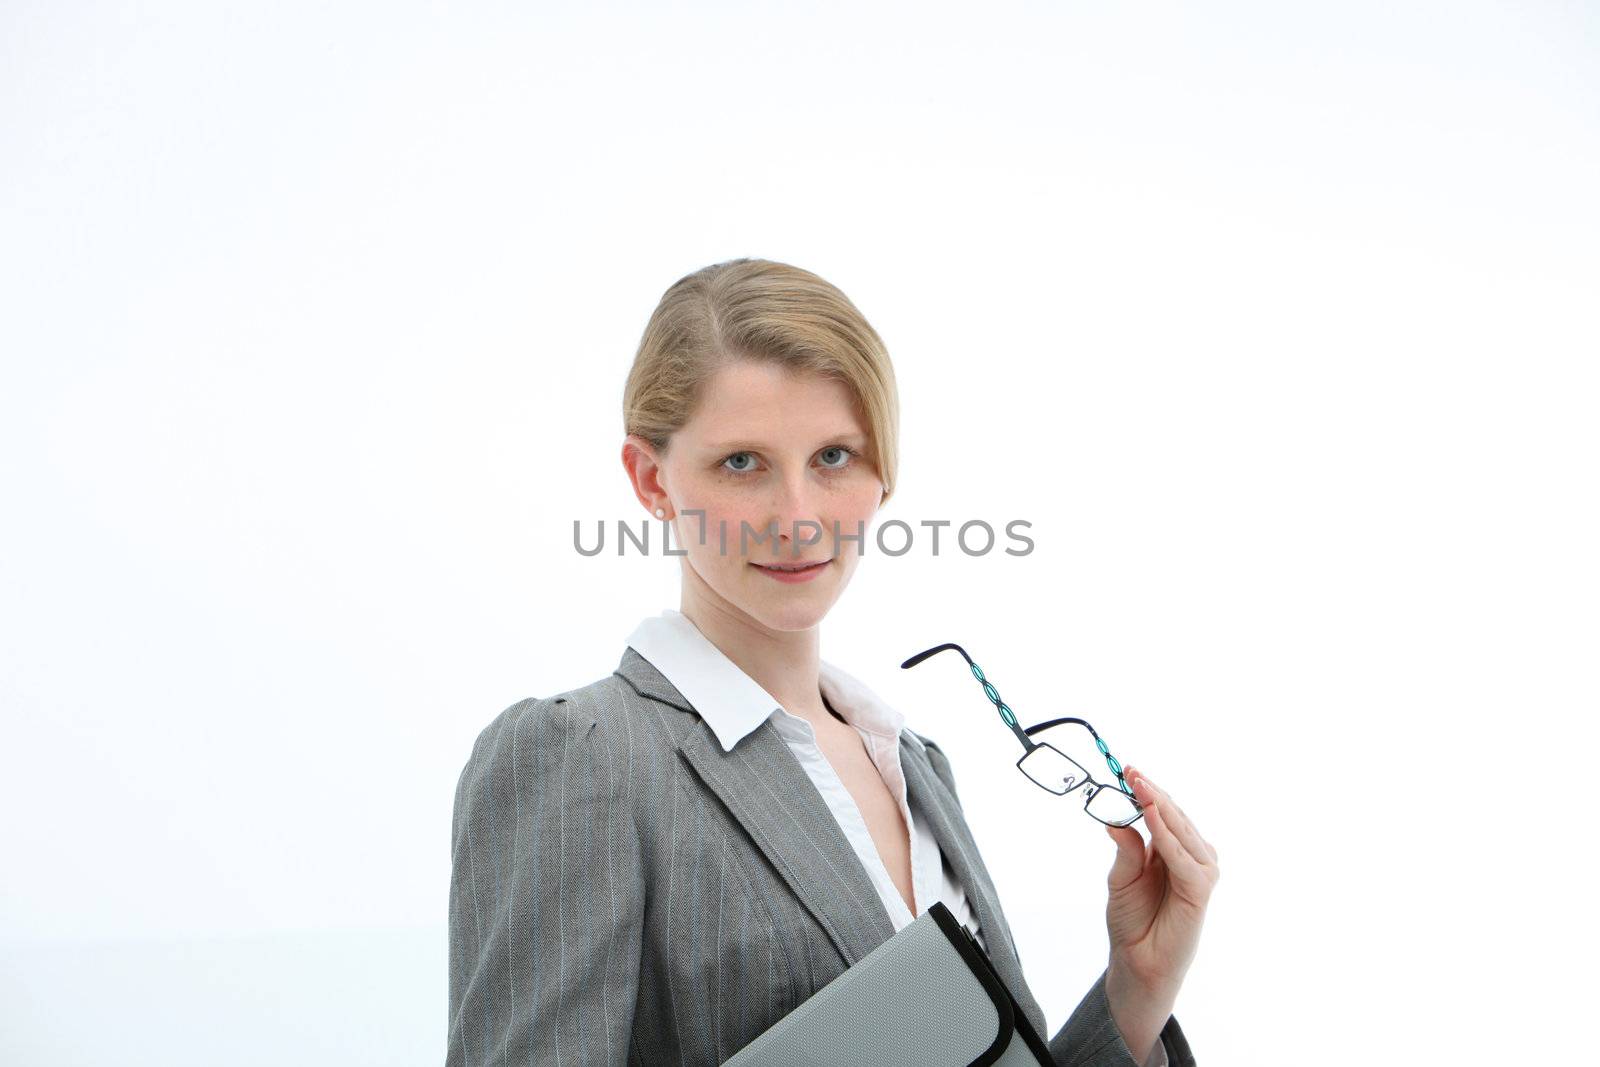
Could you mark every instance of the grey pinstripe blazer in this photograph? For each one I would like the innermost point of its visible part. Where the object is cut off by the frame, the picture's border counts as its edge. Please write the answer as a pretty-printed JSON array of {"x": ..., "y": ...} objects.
[{"x": 625, "y": 892}]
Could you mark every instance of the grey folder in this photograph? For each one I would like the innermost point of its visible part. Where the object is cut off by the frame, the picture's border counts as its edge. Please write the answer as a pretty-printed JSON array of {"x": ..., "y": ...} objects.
[{"x": 926, "y": 997}]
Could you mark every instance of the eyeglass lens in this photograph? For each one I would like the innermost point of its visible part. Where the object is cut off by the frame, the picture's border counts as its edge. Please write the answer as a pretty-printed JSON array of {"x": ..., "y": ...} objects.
[
  {"x": 1052, "y": 770},
  {"x": 1111, "y": 805},
  {"x": 1061, "y": 774}
]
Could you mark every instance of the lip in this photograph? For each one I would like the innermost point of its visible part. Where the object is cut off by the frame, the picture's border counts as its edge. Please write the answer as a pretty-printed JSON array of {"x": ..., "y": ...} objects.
[{"x": 792, "y": 577}]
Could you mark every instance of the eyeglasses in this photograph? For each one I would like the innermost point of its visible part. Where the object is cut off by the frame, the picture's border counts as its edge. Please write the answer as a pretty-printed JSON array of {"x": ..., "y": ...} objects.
[{"x": 1047, "y": 766}]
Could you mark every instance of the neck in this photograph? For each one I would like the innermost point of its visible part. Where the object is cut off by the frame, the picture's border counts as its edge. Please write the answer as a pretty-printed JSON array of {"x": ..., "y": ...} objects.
[{"x": 786, "y": 663}]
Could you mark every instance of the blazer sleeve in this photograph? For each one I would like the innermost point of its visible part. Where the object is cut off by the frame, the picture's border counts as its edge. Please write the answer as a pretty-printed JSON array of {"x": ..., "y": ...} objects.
[
  {"x": 546, "y": 894},
  {"x": 1089, "y": 1037}
]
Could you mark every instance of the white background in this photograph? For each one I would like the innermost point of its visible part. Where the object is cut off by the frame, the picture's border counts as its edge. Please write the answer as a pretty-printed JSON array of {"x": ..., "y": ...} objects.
[{"x": 1278, "y": 323}]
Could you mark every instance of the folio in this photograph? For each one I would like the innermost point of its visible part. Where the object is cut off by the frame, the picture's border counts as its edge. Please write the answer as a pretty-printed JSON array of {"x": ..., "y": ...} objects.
[{"x": 927, "y": 997}]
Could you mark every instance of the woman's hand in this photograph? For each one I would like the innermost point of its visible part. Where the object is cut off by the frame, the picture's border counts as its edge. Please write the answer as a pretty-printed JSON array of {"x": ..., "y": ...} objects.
[{"x": 1157, "y": 903}]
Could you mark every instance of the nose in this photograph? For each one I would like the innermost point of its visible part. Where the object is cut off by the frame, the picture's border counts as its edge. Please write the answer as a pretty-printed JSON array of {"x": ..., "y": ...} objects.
[{"x": 795, "y": 506}]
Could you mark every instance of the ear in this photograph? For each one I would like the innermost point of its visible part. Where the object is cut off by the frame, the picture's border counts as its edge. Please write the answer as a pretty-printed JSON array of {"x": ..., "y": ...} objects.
[{"x": 643, "y": 465}]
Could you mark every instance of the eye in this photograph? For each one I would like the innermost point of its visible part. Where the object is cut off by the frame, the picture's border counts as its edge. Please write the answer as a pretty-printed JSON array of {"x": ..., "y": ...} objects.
[
  {"x": 737, "y": 469},
  {"x": 845, "y": 455}
]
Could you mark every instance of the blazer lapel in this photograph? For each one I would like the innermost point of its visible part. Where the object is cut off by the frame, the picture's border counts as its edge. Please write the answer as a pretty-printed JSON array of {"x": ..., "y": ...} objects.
[
  {"x": 927, "y": 794},
  {"x": 773, "y": 798}
]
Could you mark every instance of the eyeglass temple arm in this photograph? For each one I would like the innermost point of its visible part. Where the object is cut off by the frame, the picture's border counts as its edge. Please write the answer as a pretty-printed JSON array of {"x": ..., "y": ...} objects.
[{"x": 1006, "y": 714}]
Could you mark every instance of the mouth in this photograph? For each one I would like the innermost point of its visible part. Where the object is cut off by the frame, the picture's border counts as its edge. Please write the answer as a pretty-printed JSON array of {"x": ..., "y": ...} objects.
[{"x": 792, "y": 568}]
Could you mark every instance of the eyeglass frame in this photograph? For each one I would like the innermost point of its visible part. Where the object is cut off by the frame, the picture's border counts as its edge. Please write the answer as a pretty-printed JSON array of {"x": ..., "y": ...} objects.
[{"x": 1024, "y": 735}]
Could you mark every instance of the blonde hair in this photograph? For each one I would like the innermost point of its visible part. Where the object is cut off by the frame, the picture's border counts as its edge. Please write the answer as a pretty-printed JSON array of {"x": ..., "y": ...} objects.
[{"x": 763, "y": 311}]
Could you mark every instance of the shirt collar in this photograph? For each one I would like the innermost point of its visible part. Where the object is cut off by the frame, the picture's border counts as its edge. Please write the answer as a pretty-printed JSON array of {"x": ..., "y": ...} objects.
[{"x": 732, "y": 703}]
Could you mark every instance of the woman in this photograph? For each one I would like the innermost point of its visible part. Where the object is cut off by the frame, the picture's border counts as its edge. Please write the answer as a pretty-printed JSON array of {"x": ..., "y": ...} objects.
[{"x": 657, "y": 866}]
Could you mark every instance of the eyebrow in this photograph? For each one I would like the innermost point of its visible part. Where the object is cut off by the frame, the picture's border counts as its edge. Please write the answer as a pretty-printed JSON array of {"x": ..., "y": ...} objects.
[{"x": 757, "y": 446}]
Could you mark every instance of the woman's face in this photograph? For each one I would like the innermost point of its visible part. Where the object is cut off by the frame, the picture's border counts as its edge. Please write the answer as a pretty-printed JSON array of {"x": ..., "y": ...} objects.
[{"x": 781, "y": 457}]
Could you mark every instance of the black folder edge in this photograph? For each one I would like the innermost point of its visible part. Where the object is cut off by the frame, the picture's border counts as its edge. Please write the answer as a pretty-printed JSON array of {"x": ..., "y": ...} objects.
[{"x": 1005, "y": 1005}]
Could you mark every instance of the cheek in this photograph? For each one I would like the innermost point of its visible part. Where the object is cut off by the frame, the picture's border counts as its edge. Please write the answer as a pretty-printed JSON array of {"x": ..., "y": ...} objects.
[
  {"x": 723, "y": 512},
  {"x": 848, "y": 514},
  {"x": 860, "y": 502}
]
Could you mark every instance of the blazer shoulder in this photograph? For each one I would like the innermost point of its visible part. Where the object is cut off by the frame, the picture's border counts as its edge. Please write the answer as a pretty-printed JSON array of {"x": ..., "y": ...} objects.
[
  {"x": 590, "y": 715},
  {"x": 594, "y": 701}
]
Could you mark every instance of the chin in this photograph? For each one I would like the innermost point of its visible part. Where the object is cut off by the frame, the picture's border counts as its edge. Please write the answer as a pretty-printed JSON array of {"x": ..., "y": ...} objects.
[
  {"x": 791, "y": 619},
  {"x": 787, "y": 614},
  {"x": 797, "y": 613}
]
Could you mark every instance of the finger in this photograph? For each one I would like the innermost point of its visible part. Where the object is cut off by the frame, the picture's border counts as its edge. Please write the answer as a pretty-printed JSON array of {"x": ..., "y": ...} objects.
[
  {"x": 1187, "y": 875},
  {"x": 1157, "y": 865},
  {"x": 1198, "y": 846},
  {"x": 1181, "y": 826},
  {"x": 1208, "y": 853},
  {"x": 1129, "y": 861},
  {"x": 1162, "y": 834},
  {"x": 1147, "y": 793}
]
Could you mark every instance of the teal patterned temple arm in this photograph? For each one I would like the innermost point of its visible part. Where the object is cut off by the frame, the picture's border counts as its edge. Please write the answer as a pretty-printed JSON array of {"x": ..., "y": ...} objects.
[{"x": 1010, "y": 717}]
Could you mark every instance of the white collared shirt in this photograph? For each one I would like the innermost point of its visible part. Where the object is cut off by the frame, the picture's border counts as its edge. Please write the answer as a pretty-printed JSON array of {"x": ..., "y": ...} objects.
[{"x": 733, "y": 704}]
